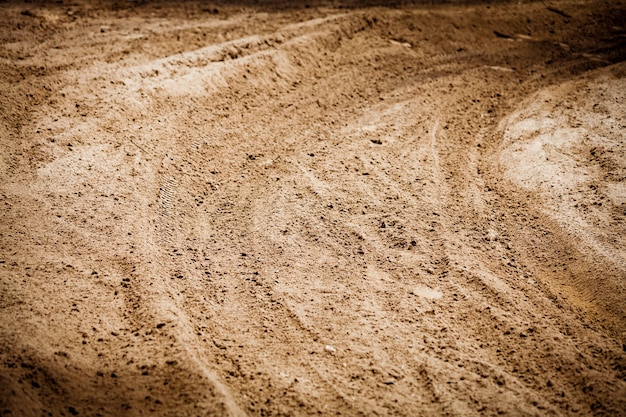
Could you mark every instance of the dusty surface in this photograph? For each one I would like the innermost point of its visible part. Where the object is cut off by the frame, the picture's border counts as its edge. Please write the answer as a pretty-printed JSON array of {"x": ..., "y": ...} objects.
[{"x": 212, "y": 209}]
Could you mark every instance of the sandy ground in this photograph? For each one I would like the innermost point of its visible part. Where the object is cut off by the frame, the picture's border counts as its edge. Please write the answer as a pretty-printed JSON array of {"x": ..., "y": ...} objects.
[{"x": 333, "y": 208}]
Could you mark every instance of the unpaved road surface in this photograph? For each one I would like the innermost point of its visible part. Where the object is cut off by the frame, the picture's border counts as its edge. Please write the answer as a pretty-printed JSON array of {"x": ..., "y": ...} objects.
[{"x": 333, "y": 208}]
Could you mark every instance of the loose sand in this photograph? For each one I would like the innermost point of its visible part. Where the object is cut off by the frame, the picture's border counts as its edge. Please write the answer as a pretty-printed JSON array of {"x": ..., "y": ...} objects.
[{"x": 214, "y": 209}]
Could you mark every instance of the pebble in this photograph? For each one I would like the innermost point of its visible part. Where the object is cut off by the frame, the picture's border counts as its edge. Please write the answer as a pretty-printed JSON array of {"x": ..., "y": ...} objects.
[{"x": 330, "y": 349}]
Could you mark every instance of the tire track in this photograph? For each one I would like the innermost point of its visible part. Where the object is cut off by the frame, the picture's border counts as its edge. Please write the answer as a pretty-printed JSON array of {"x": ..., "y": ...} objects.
[{"x": 165, "y": 225}]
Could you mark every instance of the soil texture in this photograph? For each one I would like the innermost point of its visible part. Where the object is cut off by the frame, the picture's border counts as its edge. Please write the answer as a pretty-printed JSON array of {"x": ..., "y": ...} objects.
[{"x": 324, "y": 208}]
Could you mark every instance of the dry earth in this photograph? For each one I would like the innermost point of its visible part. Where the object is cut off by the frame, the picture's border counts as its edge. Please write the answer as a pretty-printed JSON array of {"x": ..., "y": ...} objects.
[{"x": 300, "y": 209}]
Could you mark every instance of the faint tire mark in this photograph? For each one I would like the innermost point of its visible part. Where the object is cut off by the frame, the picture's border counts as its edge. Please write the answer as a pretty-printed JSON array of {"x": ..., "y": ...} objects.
[{"x": 164, "y": 224}]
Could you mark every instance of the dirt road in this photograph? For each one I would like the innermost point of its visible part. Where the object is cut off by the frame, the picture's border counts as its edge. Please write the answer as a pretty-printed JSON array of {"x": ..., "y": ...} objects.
[{"x": 301, "y": 209}]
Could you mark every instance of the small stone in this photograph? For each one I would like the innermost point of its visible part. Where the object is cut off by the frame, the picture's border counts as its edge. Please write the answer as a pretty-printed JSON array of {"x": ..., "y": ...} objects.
[{"x": 330, "y": 349}]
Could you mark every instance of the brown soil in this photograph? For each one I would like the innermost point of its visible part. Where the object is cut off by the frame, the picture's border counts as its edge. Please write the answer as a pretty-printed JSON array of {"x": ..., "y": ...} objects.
[{"x": 290, "y": 209}]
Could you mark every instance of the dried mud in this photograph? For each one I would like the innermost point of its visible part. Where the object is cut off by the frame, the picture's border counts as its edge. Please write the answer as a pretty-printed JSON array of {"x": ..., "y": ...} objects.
[{"x": 301, "y": 209}]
